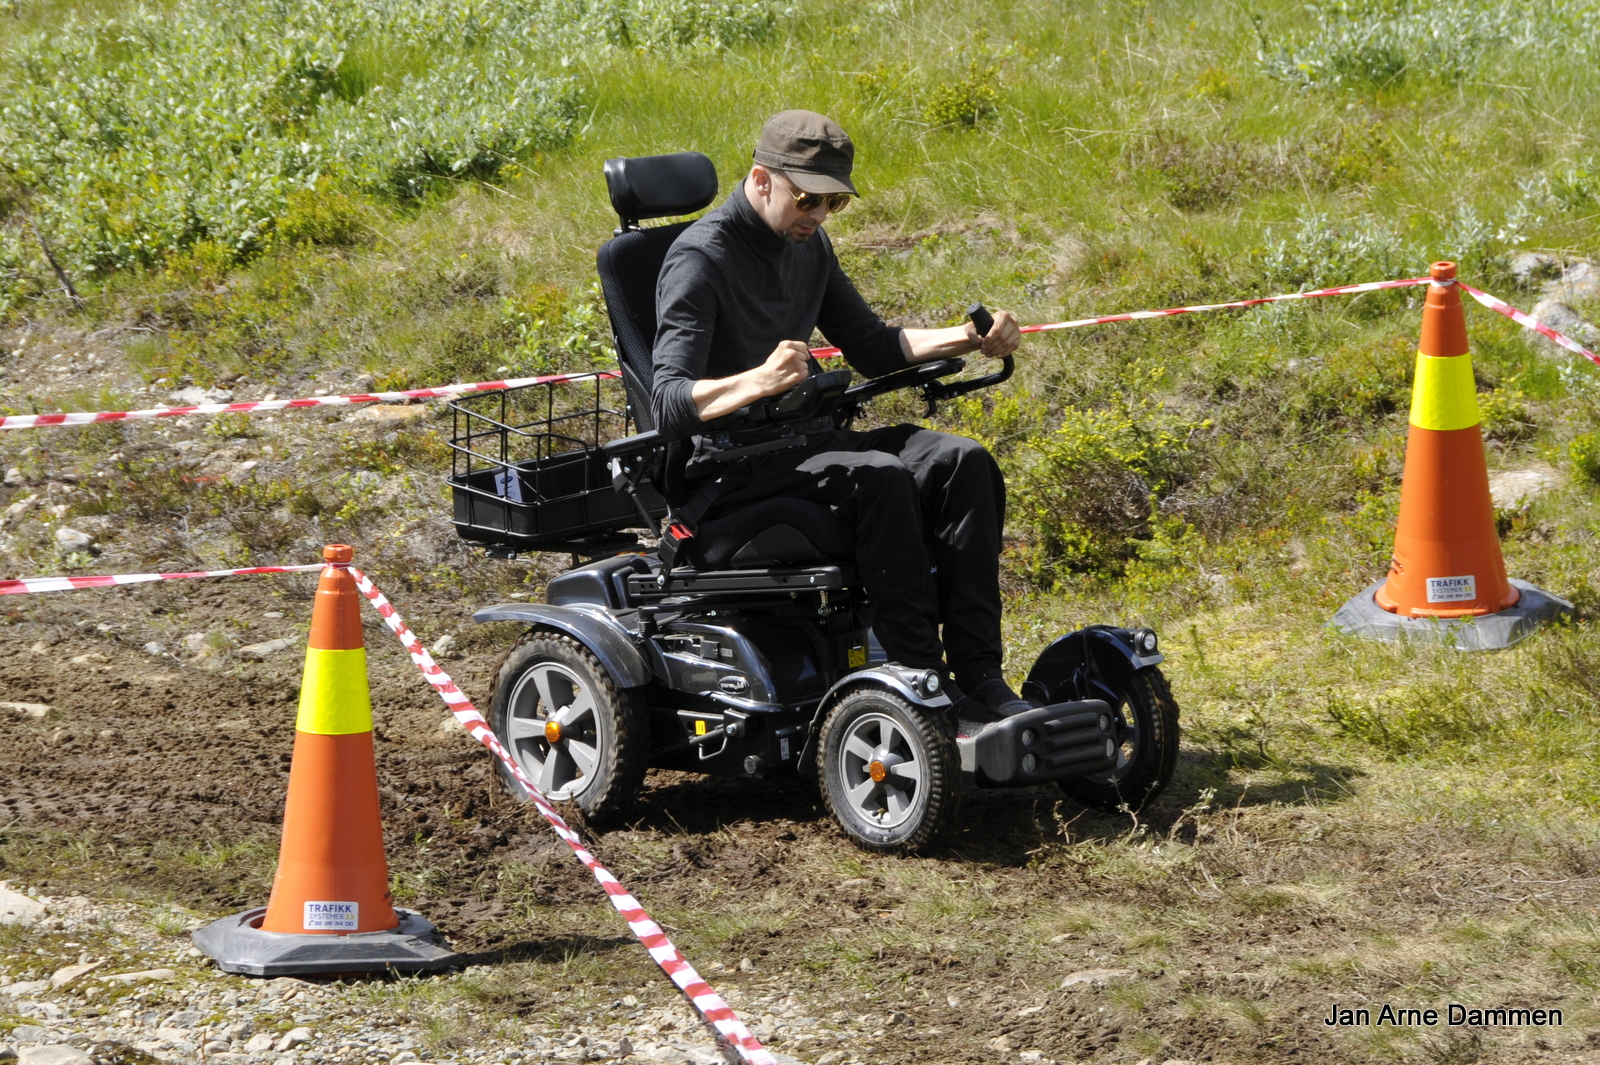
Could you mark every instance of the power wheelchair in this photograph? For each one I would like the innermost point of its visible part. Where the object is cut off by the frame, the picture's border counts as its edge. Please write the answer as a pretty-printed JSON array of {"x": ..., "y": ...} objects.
[{"x": 746, "y": 648}]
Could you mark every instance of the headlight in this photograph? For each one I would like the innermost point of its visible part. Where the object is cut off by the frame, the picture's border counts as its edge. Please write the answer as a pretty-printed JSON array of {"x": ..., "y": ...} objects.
[
  {"x": 1029, "y": 763},
  {"x": 932, "y": 682},
  {"x": 1029, "y": 737},
  {"x": 1145, "y": 641}
]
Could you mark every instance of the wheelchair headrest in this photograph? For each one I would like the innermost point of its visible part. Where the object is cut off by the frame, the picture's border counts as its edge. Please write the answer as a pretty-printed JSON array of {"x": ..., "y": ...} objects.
[{"x": 660, "y": 186}]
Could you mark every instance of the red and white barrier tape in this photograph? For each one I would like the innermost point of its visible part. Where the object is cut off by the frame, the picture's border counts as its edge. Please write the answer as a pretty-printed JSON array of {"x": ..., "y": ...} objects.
[
  {"x": 1500, "y": 306},
  {"x": 25, "y": 585},
  {"x": 32, "y": 421},
  {"x": 711, "y": 1005},
  {"x": 1133, "y": 316}
]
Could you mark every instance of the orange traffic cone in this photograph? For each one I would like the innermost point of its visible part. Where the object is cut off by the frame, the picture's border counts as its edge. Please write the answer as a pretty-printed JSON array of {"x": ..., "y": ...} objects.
[
  {"x": 1447, "y": 564},
  {"x": 330, "y": 910},
  {"x": 332, "y": 875}
]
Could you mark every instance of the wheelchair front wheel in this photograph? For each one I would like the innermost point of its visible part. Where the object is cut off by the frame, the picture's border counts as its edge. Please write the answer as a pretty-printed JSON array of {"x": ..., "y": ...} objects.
[
  {"x": 890, "y": 773},
  {"x": 570, "y": 729}
]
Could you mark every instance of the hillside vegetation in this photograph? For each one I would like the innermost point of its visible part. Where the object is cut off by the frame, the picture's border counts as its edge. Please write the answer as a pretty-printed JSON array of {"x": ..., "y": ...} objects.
[{"x": 286, "y": 196}]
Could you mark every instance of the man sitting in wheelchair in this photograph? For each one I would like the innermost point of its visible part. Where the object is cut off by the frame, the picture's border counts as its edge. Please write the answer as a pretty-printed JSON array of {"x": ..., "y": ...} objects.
[{"x": 737, "y": 299}]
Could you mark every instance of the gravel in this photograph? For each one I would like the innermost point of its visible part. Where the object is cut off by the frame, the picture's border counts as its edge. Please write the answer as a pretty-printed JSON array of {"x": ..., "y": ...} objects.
[{"x": 132, "y": 991}]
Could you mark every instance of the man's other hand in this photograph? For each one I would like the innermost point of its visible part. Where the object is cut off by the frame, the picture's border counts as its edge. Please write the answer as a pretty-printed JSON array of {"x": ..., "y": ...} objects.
[
  {"x": 1003, "y": 338},
  {"x": 787, "y": 366}
]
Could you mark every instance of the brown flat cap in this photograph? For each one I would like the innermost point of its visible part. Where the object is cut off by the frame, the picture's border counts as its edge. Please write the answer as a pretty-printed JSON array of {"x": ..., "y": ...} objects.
[{"x": 810, "y": 148}]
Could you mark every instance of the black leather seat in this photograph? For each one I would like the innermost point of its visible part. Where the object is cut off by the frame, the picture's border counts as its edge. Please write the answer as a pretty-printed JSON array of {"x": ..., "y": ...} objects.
[{"x": 774, "y": 532}]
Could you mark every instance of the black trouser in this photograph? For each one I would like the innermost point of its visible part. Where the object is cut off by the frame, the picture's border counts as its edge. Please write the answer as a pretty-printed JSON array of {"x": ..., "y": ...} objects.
[{"x": 906, "y": 489}]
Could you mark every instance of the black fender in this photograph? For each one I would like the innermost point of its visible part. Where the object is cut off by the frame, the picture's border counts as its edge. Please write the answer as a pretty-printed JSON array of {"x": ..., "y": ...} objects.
[
  {"x": 1088, "y": 663},
  {"x": 902, "y": 681},
  {"x": 602, "y": 634}
]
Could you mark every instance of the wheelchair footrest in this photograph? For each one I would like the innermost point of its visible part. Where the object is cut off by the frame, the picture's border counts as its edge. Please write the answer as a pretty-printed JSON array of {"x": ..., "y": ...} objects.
[{"x": 1040, "y": 746}]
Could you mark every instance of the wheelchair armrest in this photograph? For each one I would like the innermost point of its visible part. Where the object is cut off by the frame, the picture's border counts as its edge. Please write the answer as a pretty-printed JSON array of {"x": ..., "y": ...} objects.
[{"x": 637, "y": 444}]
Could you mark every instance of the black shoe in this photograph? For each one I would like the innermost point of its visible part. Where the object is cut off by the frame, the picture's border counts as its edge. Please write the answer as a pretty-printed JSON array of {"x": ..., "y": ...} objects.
[
  {"x": 990, "y": 701},
  {"x": 997, "y": 695}
]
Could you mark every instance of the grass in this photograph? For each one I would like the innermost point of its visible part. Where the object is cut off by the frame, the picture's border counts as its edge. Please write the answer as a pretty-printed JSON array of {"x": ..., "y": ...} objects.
[{"x": 1426, "y": 819}]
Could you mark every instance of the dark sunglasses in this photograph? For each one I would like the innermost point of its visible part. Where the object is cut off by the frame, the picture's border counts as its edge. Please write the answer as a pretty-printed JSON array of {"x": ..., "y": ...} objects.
[{"x": 806, "y": 202}]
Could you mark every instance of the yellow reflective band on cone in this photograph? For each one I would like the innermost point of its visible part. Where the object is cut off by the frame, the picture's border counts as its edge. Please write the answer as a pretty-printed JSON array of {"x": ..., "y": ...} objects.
[
  {"x": 334, "y": 700},
  {"x": 1444, "y": 395}
]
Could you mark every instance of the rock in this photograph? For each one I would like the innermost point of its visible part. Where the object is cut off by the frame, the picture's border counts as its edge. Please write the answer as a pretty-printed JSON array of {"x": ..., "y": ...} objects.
[
  {"x": 28, "y": 1033},
  {"x": 15, "y": 907},
  {"x": 194, "y": 396},
  {"x": 139, "y": 977},
  {"x": 62, "y": 977},
  {"x": 450, "y": 724},
  {"x": 270, "y": 647},
  {"x": 70, "y": 539},
  {"x": 403, "y": 1057},
  {"x": 391, "y": 412},
  {"x": 90, "y": 658},
  {"x": 54, "y": 1054},
  {"x": 1579, "y": 281},
  {"x": 624, "y": 1047},
  {"x": 195, "y": 644},
  {"x": 1510, "y": 488},
  {"x": 1096, "y": 977},
  {"x": 259, "y": 1043},
  {"x": 24, "y": 988},
  {"x": 153, "y": 648},
  {"x": 444, "y": 645},
  {"x": 184, "y": 1019},
  {"x": 33, "y": 710},
  {"x": 1564, "y": 320},
  {"x": 14, "y": 476},
  {"x": 274, "y": 615},
  {"x": 292, "y": 1038},
  {"x": 1534, "y": 266},
  {"x": 8, "y": 1054}
]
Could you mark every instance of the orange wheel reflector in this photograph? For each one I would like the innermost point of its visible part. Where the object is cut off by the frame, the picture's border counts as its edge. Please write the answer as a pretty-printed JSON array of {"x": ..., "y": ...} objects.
[
  {"x": 552, "y": 731},
  {"x": 876, "y": 771}
]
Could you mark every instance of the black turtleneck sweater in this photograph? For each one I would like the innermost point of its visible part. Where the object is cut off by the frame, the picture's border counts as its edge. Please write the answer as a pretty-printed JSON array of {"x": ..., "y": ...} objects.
[{"x": 731, "y": 289}]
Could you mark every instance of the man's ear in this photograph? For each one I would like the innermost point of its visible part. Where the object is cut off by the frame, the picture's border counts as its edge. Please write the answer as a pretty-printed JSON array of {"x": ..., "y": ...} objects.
[{"x": 761, "y": 178}]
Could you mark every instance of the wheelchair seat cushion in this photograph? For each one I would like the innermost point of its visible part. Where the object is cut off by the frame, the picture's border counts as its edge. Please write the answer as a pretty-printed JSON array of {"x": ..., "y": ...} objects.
[{"x": 773, "y": 532}]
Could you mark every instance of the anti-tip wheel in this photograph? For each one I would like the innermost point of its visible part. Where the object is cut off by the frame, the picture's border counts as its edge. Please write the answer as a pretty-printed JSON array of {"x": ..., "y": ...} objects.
[
  {"x": 1147, "y": 748},
  {"x": 890, "y": 773},
  {"x": 568, "y": 726}
]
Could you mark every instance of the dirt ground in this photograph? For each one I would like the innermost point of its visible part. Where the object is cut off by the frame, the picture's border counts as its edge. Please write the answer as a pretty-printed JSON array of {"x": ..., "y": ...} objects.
[
  {"x": 155, "y": 759},
  {"x": 1221, "y": 936}
]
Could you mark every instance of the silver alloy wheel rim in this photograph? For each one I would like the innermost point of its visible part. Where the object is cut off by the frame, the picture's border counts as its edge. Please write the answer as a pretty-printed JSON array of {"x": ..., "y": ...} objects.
[
  {"x": 895, "y": 800},
  {"x": 546, "y": 691}
]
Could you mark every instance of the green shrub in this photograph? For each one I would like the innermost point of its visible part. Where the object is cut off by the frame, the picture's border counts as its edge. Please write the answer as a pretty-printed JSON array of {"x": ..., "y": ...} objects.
[
  {"x": 321, "y": 215},
  {"x": 1325, "y": 251},
  {"x": 235, "y": 123},
  {"x": 1585, "y": 454},
  {"x": 1377, "y": 44},
  {"x": 1085, "y": 492},
  {"x": 1504, "y": 415},
  {"x": 966, "y": 101}
]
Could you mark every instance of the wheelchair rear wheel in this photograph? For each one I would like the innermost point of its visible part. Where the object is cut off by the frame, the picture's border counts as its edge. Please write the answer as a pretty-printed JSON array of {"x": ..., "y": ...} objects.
[
  {"x": 889, "y": 773},
  {"x": 571, "y": 730}
]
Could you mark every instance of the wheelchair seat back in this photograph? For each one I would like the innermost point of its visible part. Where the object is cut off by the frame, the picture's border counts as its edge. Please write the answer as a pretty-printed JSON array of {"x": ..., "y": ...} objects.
[{"x": 773, "y": 532}]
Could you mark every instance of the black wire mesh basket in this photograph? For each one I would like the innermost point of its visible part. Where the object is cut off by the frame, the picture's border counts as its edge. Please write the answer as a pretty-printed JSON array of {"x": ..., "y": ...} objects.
[{"x": 528, "y": 471}]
